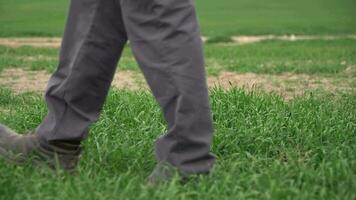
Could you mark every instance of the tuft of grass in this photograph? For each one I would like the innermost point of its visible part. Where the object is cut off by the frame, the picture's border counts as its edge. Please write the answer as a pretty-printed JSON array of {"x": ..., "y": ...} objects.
[
  {"x": 267, "y": 149},
  {"x": 219, "y": 39}
]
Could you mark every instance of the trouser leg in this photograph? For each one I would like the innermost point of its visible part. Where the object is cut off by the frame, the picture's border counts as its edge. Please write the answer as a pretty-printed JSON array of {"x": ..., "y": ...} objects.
[
  {"x": 93, "y": 41},
  {"x": 165, "y": 39}
]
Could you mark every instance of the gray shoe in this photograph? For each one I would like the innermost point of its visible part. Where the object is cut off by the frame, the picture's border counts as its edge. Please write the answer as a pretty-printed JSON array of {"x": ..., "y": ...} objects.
[
  {"x": 22, "y": 149},
  {"x": 165, "y": 172}
]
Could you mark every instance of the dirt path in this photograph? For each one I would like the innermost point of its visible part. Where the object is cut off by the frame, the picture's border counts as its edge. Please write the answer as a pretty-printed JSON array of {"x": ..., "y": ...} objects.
[
  {"x": 291, "y": 38},
  {"x": 55, "y": 42},
  {"x": 20, "y": 80},
  {"x": 287, "y": 84},
  {"x": 33, "y": 42}
]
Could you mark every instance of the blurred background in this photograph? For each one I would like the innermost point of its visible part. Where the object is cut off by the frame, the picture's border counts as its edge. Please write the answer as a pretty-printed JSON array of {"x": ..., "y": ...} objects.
[{"x": 218, "y": 18}]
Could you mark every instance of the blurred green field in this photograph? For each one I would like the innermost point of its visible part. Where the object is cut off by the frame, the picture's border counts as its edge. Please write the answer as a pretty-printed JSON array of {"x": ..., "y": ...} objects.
[{"x": 218, "y": 18}]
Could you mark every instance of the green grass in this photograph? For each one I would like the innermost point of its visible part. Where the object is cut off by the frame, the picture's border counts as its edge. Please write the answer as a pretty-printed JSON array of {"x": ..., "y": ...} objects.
[
  {"x": 275, "y": 57},
  {"x": 245, "y": 17},
  {"x": 267, "y": 149},
  {"x": 218, "y": 18},
  {"x": 329, "y": 58},
  {"x": 27, "y": 57},
  {"x": 32, "y": 18}
]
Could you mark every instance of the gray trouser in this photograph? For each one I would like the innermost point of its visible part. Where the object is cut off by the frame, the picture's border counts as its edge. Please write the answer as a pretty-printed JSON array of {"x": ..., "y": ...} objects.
[{"x": 165, "y": 39}]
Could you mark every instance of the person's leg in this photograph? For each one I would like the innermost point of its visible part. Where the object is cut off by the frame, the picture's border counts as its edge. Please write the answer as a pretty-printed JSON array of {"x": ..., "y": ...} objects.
[
  {"x": 93, "y": 41},
  {"x": 166, "y": 41}
]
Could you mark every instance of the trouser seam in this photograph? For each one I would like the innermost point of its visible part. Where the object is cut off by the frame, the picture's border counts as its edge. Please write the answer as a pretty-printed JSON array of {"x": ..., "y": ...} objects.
[{"x": 74, "y": 63}]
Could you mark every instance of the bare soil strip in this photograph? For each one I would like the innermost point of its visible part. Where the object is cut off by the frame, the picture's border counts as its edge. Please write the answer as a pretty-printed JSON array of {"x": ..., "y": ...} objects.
[
  {"x": 55, "y": 42},
  {"x": 288, "y": 85},
  {"x": 254, "y": 39},
  {"x": 20, "y": 80},
  {"x": 33, "y": 42}
]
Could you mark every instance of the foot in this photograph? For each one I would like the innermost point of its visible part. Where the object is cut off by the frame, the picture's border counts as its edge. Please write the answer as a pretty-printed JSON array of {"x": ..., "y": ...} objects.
[
  {"x": 22, "y": 149},
  {"x": 165, "y": 172}
]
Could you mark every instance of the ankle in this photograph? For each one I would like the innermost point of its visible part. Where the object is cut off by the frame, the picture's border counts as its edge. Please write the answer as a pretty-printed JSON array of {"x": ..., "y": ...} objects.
[{"x": 62, "y": 147}]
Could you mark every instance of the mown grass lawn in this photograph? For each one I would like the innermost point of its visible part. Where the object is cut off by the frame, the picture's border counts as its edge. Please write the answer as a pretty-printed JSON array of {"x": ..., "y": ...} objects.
[
  {"x": 267, "y": 149},
  {"x": 218, "y": 18}
]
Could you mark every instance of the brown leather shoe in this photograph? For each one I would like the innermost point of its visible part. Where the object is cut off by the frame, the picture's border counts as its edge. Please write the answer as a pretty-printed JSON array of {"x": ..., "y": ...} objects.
[{"x": 22, "y": 149}]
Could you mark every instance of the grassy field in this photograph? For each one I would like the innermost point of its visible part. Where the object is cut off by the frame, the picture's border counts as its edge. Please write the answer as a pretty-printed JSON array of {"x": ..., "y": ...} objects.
[
  {"x": 266, "y": 148},
  {"x": 218, "y": 18},
  {"x": 329, "y": 58}
]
